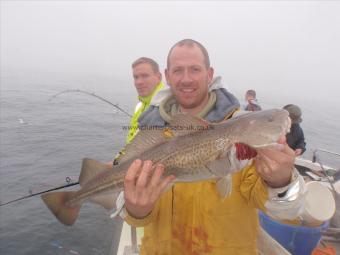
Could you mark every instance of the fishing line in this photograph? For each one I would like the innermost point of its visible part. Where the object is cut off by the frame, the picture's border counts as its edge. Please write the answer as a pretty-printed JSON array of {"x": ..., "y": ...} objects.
[
  {"x": 57, "y": 244},
  {"x": 69, "y": 184},
  {"x": 68, "y": 180},
  {"x": 91, "y": 94}
]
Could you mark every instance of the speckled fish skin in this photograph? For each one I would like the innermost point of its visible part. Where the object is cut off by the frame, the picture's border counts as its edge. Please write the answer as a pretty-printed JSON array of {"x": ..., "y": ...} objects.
[{"x": 188, "y": 155}]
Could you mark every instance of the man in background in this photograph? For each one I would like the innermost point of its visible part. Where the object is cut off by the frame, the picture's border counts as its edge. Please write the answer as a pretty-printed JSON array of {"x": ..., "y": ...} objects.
[
  {"x": 295, "y": 137},
  {"x": 252, "y": 101},
  {"x": 148, "y": 81}
]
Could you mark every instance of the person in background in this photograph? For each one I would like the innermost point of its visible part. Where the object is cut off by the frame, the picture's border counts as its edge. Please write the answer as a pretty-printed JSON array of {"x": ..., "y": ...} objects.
[
  {"x": 148, "y": 81},
  {"x": 295, "y": 138},
  {"x": 192, "y": 218},
  {"x": 252, "y": 101}
]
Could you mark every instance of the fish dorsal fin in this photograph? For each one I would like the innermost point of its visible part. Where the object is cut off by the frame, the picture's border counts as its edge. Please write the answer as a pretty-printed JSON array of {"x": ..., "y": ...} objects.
[
  {"x": 89, "y": 169},
  {"x": 184, "y": 124},
  {"x": 145, "y": 140}
]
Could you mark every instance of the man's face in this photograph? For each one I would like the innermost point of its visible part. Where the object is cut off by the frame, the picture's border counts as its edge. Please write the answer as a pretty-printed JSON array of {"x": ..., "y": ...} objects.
[
  {"x": 188, "y": 77},
  {"x": 145, "y": 79},
  {"x": 248, "y": 97}
]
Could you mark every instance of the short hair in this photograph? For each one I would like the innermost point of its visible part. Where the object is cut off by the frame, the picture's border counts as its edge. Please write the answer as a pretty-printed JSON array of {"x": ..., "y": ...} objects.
[
  {"x": 251, "y": 92},
  {"x": 294, "y": 112},
  {"x": 154, "y": 65},
  {"x": 191, "y": 43}
]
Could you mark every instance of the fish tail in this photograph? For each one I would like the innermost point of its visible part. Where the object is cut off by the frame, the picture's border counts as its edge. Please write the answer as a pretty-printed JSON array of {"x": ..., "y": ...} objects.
[{"x": 57, "y": 203}]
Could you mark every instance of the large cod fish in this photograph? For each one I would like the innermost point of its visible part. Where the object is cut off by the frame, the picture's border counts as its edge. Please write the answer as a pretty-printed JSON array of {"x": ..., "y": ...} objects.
[{"x": 191, "y": 149}]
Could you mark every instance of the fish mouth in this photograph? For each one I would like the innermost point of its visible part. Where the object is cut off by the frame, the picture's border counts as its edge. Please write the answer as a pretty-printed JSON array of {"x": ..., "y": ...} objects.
[
  {"x": 246, "y": 151},
  {"x": 285, "y": 128}
]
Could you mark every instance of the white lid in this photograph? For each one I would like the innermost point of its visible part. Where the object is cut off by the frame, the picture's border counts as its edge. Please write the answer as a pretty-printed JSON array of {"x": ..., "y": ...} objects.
[{"x": 320, "y": 203}]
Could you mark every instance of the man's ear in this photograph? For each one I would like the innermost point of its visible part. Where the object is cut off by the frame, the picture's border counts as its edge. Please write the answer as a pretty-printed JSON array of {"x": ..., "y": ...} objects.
[{"x": 210, "y": 74}]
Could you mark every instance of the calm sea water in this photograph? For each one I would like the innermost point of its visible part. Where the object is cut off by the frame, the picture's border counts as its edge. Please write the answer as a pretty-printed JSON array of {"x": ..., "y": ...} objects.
[{"x": 42, "y": 142}]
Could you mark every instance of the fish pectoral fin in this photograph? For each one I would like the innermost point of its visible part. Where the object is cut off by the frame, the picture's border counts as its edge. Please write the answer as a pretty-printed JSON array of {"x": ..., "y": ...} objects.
[
  {"x": 108, "y": 201},
  {"x": 89, "y": 169},
  {"x": 224, "y": 186},
  {"x": 219, "y": 167},
  {"x": 120, "y": 203}
]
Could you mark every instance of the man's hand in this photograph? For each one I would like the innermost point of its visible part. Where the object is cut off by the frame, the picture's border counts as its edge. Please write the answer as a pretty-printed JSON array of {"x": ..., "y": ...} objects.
[
  {"x": 143, "y": 185},
  {"x": 275, "y": 166},
  {"x": 298, "y": 152}
]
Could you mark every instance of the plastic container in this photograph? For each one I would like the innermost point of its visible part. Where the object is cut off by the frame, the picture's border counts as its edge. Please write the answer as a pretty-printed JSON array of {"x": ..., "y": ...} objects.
[
  {"x": 319, "y": 206},
  {"x": 298, "y": 240}
]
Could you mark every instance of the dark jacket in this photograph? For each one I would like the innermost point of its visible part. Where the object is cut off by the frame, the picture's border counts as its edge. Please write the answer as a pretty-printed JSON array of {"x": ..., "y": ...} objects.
[
  {"x": 253, "y": 106},
  {"x": 295, "y": 138}
]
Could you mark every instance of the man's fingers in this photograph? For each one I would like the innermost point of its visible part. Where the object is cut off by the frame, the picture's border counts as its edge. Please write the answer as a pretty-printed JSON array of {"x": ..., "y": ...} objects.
[
  {"x": 269, "y": 163},
  {"x": 157, "y": 175},
  {"x": 279, "y": 156},
  {"x": 144, "y": 176},
  {"x": 166, "y": 182},
  {"x": 130, "y": 178},
  {"x": 288, "y": 150},
  {"x": 262, "y": 166},
  {"x": 282, "y": 139},
  {"x": 132, "y": 172}
]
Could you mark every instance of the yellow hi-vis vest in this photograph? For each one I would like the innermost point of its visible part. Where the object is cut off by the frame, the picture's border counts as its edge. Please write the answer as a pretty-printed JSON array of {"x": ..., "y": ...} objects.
[{"x": 143, "y": 104}]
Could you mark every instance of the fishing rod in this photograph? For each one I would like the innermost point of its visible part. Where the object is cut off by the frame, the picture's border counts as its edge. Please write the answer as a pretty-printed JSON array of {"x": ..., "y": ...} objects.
[
  {"x": 90, "y": 94},
  {"x": 68, "y": 180},
  {"x": 69, "y": 184}
]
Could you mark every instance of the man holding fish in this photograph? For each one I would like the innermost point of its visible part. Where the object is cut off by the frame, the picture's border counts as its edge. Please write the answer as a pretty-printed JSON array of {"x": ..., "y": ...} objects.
[
  {"x": 193, "y": 218},
  {"x": 195, "y": 174}
]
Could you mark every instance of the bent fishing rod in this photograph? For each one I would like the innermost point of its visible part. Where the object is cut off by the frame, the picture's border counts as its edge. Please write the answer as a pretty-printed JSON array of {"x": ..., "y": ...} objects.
[
  {"x": 91, "y": 94},
  {"x": 69, "y": 184},
  {"x": 68, "y": 180}
]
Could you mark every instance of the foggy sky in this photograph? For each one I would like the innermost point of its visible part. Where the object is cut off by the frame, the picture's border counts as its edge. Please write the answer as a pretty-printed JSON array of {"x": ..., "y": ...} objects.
[{"x": 279, "y": 48}]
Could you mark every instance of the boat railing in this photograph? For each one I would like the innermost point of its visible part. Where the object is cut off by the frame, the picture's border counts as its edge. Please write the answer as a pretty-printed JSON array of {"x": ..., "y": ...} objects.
[
  {"x": 315, "y": 153},
  {"x": 316, "y": 159}
]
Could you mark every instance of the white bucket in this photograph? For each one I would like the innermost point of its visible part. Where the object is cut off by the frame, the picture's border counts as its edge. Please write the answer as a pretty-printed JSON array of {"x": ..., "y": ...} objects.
[
  {"x": 337, "y": 187},
  {"x": 319, "y": 206}
]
